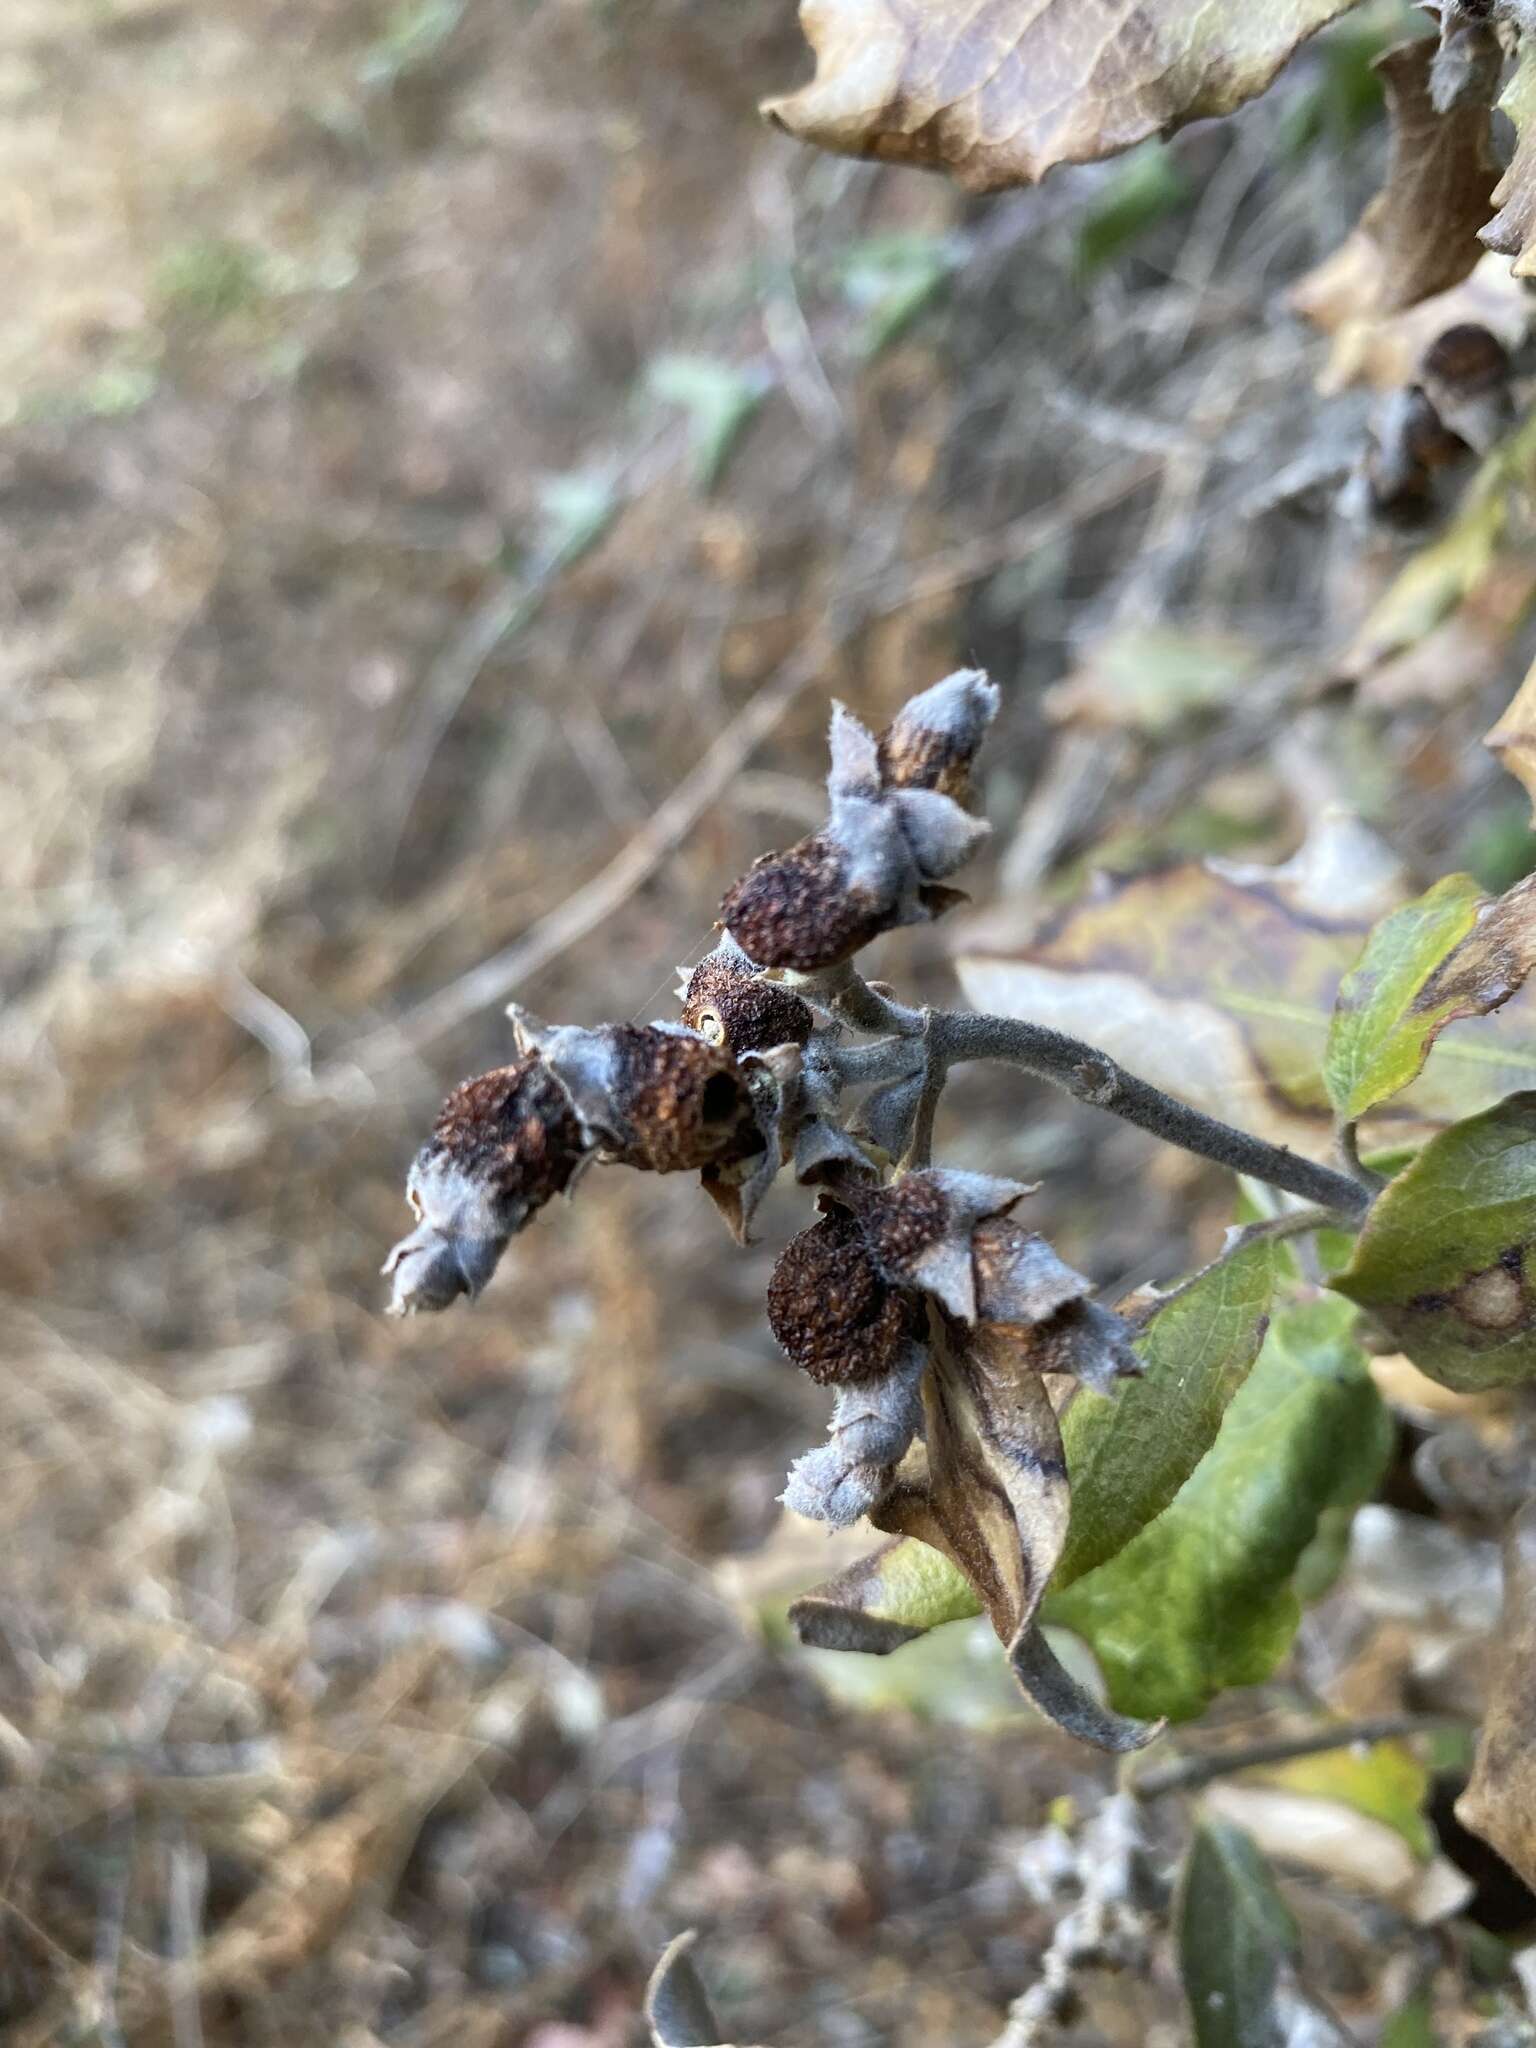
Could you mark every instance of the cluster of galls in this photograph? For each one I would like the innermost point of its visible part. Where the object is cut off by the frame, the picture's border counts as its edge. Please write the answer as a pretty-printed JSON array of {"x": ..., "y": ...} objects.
[
  {"x": 751, "y": 1080},
  {"x": 653, "y": 1096},
  {"x": 738, "y": 1087},
  {"x": 891, "y": 1273}
]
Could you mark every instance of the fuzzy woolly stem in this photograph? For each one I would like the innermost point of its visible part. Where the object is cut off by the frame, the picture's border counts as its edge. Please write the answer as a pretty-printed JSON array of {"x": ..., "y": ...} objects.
[
  {"x": 1093, "y": 1077},
  {"x": 954, "y": 1036}
]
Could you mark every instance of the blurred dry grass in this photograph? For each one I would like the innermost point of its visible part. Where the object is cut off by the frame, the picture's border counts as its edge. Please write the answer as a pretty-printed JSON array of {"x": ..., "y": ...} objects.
[{"x": 361, "y": 608}]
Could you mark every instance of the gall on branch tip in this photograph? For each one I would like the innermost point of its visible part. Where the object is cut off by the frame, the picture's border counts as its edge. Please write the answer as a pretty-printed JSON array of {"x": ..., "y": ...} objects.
[{"x": 930, "y": 1312}]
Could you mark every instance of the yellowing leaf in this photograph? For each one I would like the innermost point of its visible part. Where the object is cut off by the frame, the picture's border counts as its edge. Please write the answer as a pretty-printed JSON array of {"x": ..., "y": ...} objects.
[
  {"x": 997, "y": 93},
  {"x": 1450, "y": 953},
  {"x": 1492, "y": 523},
  {"x": 1385, "y": 1781},
  {"x": 1447, "y": 1258},
  {"x": 884, "y": 1600}
]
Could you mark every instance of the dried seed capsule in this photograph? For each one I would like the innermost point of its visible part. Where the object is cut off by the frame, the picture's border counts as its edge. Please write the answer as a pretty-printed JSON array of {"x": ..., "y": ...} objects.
[
  {"x": 1019, "y": 1277},
  {"x": 797, "y": 909},
  {"x": 503, "y": 1145},
  {"x": 870, "y": 868},
  {"x": 678, "y": 1103},
  {"x": 1466, "y": 373},
  {"x": 832, "y": 1312},
  {"x": 731, "y": 1006},
  {"x": 934, "y": 738},
  {"x": 919, "y": 1230},
  {"x": 513, "y": 1129}
]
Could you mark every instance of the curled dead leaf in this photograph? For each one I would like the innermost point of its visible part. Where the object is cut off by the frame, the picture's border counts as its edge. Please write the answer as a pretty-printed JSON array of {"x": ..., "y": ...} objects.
[
  {"x": 997, "y": 94},
  {"x": 988, "y": 1490},
  {"x": 1418, "y": 236},
  {"x": 677, "y": 2008}
]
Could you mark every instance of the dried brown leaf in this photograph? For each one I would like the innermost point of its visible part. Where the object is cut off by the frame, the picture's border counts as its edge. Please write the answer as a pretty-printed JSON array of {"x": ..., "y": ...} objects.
[
  {"x": 1500, "y": 1802},
  {"x": 1440, "y": 175},
  {"x": 997, "y": 93},
  {"x": 1384, "y": 350},
  {"x": 1418, "y": 238},
  {"x": 988, "y": 1490}
]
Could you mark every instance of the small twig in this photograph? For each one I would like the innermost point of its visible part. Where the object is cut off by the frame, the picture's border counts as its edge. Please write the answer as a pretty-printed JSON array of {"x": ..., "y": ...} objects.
[
  {"x": 1093, "y": 1077},
  {"x": 1293, "y": 1223},
  {"x": 1190, "y": 1772},
  {"x": 1348, "y": 1140},
  {"x": 920, "y": 1149}
]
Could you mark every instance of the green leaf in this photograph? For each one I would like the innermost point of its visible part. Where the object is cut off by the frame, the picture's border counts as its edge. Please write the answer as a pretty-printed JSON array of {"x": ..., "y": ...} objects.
[
  {"x": 1411, "y": 2026},
  {"x": 1380, "y": 1036},
  {"x": 1448, "y": 954},
  {"x": 1442, "y": 1260},
  {"x": 1203, "y": 1598},
  {"x": 1128, "y": 1455},
  {"x": 1319, "y": 1566},
  {"x": 899, "y": 1591},
  {"x": 1235, "y": 1940}
]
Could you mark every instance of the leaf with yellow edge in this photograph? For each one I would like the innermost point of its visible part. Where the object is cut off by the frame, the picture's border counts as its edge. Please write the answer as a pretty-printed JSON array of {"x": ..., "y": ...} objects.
[
  {"x": 997, "y": 93},
  {"x": 1450, "y": 953}
]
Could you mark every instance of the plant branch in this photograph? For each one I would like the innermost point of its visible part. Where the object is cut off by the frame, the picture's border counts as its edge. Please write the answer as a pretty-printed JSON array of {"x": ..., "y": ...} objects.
[
  {"x": 1188, "y": 1773},
  {"x": 1292, "y": 1223},
  {"x": 1349, "y": 1152},
  {"x": 1093, "y": 1077}
]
